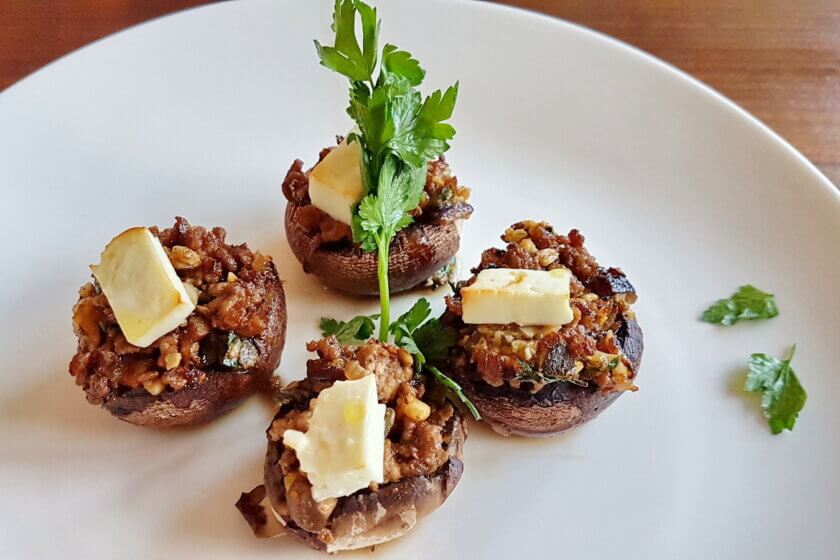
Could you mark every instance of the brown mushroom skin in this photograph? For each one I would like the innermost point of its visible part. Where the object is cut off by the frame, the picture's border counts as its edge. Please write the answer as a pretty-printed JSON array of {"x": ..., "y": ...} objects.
[
  {"x": 358, "y": 520},
  {"x": 416, "y": 253},
  {"x": 223, "y": 390},
  {"x": 556, "y": 408}
]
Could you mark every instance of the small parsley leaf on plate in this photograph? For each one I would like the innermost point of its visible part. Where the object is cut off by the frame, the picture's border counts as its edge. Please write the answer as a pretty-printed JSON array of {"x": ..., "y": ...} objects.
[
  {"x": 748, "y": 303},
  {"x": 782, "y": 394}
]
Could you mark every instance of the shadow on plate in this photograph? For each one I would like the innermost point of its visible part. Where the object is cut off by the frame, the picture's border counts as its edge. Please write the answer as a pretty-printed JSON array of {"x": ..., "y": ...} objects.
[
  {"x": 54, "y": 401},
  {"x": 56, "y": 404},
  {"x": 212, "y": 515},
  {"x": 482, "y": 430}
]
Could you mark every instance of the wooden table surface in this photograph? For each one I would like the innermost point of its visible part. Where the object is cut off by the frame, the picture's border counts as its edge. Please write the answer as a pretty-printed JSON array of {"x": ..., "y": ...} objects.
[{"x": 779, "y": 59}]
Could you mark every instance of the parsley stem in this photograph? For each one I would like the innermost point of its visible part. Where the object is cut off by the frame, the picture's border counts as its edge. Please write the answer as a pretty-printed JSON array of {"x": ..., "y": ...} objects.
[{"x": 383, "y": 245}]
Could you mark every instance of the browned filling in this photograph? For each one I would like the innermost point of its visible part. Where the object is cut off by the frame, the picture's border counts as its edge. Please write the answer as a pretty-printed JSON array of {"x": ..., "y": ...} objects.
[
  {"x": 584, "y": 351},
  {"x": 415, "y": 441},
  {"x": 235, "y": 290},
  {"x": 443, "y": 200}
]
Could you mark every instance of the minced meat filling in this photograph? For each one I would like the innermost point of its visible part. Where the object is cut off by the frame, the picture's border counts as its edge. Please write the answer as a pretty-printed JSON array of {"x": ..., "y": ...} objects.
[
  {"x": 234, "y": 287},
  {"x": 583, "y": 351},
  {"x": 442, "y": 200},
  {"x": 415, "y": 420}
]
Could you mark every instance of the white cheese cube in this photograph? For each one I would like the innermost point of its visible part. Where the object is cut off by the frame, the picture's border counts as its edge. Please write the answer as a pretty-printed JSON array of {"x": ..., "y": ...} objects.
[
  {"x": 344, "y": 448},
  {"x": 335, "y": 184},
  {"x": 525, "y": 297},
  {"x": 148, "y": 298}
]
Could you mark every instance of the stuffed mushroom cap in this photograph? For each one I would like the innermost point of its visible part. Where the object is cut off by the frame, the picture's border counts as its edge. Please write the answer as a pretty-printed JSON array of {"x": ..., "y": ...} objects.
[
  {"x": 325, "y": 246},
  {"x": 226, "y": 348},
  {"x": 546, "y": 380},
  {"x": 422, "y": 462}
]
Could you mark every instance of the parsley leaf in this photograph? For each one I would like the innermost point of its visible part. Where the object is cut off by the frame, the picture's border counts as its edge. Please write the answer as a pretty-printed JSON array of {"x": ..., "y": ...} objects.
[
  {"x": 428, "y": 135},
  {"x": 382, "y": 214},
  {"x": 400, "y": 63},
  {"x": 748, "y": 303},
  {"x": 330, "y": 326},
  {"x": 357, "y": 329},
  {"x": 429, "y": 340},
  {"x": 783, "y": 395},
  {"x": 455, "y": 389},
  {"x": 435, "y": 340},
  {"x": 406, "y": 324},
  {"x": 370, "y": 34},
  {"x": 409, "y": 321},
  {"x": 346, "y": 57}
]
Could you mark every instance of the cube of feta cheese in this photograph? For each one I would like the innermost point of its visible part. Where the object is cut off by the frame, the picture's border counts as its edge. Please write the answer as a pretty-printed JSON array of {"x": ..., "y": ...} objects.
[
  {"x": 335, "y": 184},
  {"x": 523, "y": 297},
  {"x": 343, "y": 449},
  {"x": 142, "y": 287}
]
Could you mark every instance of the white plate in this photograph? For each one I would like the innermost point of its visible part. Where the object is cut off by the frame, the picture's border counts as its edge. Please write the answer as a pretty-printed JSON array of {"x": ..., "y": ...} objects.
[{"x": 201, "y": 114}]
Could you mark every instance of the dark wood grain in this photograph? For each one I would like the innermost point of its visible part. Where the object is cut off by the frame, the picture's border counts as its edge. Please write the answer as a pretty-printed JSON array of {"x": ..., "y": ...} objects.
[
  {"x": 777, "y": 58},
  {"x": 36, "y": 32}
]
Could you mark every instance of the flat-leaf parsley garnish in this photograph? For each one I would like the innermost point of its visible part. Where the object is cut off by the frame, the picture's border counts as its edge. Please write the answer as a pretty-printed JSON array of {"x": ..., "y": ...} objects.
[
  {"x": 400, "y": 131},
  {"x": 357, "y": 329},
  {"x": 429, "y": 340},
  {"x": 782, "y": 394},
  {"x": 748, "y": 303},
  {"x": 425, "y": 338}
]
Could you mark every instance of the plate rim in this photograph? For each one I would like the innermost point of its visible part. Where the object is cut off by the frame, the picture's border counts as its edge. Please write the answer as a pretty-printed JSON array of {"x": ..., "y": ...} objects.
[
  {"x": 724, "y": 102},
  {"x": 574, "y": 34}
]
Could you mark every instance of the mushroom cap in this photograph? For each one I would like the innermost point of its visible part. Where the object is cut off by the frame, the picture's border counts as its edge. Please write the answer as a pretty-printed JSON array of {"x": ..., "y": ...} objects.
[
  {"x": 554, "y": 409},
  {"x": 368, "y": 518},
  {"x": 416, "y": 253},
  {"x": 221, "y": 391}
]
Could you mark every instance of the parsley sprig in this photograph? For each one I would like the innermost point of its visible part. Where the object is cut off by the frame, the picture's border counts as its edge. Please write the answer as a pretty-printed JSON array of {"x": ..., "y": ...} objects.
[
  {"x": 427, "y": 339},
  {"x": 782, "y": 394},
  {"x": 400, "y": 131}
]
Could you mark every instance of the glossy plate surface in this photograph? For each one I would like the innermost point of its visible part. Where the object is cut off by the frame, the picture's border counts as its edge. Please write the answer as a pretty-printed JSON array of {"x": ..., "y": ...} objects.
[{"x": 200, "y": 115}]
